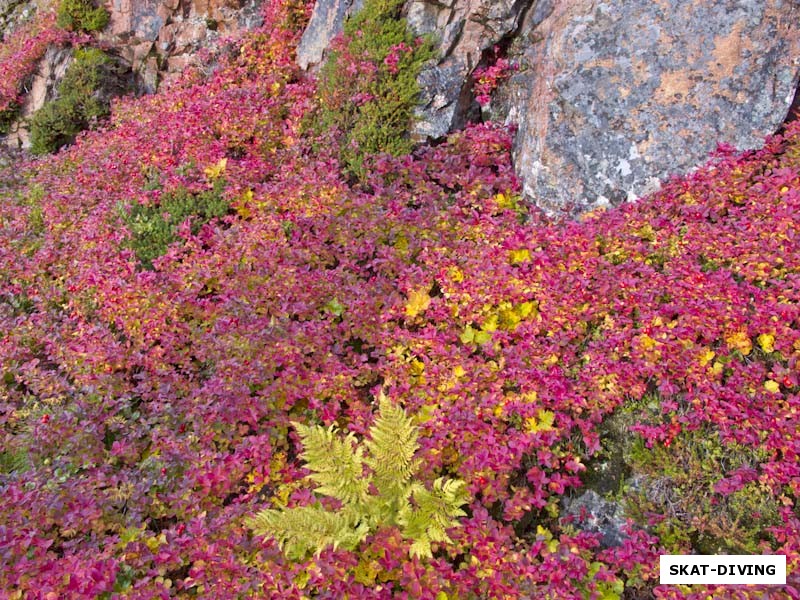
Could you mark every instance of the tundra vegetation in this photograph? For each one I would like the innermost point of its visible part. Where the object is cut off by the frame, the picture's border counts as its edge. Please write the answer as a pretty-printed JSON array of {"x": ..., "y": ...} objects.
[{"x": 188, "y": 294}]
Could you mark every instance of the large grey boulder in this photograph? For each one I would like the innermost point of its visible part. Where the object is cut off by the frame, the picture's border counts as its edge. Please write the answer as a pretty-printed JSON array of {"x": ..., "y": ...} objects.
[{"x": 615, "y": 96}]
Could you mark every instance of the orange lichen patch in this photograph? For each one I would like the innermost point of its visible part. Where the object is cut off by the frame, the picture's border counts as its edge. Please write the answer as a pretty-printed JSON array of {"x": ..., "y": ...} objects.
[
  {"x": 674, "y": 85},
  {"x": 728, "y": 51}
]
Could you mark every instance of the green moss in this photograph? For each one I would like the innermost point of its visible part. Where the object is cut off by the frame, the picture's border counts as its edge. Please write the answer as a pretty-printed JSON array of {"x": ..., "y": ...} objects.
[
  {"x": 381, "y": 120},
  {"x": 81, "y": 15},
  {"x": 154, "y": 228},
  {"x": 675, "y": 492},
  {"x": 77, "y": 104}
]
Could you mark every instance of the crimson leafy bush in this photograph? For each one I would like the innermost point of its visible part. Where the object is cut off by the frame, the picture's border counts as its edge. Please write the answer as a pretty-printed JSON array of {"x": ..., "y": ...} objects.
[{"x": 145, "y": 413}]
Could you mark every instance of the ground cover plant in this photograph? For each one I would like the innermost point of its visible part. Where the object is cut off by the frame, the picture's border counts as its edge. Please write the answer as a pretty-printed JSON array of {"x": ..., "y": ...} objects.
[{"x": 151, "y": 375}]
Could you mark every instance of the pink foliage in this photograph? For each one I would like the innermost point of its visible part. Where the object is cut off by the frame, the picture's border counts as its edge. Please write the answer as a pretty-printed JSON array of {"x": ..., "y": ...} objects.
[
  {"x": 20, "y": 54},
  {"x": 152, "y": 408},
  {"x": 486, "y": 79}
]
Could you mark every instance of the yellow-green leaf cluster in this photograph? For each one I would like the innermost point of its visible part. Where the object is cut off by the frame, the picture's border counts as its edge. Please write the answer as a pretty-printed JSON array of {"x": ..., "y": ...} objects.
[{"x": 385, "y": 496}]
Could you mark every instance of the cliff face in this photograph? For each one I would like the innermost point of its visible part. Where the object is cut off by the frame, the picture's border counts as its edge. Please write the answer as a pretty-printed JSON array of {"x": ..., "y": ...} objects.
[
  {"x": 160, "y": 38},
  {"x": 609, "y": 97},
  {"x": 152, "y": 40}
]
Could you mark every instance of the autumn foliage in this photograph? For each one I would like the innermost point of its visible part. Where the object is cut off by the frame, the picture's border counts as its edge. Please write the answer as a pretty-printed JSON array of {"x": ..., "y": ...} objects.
[{"x": 146, "y": 400}]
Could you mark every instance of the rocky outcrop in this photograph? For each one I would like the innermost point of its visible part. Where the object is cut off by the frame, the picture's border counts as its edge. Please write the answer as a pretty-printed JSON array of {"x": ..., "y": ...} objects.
[
  {"x": 465, "y": 31},
  {"x": 610, "y": 97},
  {"x": 41, "y": 89},
  {"x": 326, "y": 22},
  {"x": 160, "y": 38},
  {"x": 615, "y": 96}
]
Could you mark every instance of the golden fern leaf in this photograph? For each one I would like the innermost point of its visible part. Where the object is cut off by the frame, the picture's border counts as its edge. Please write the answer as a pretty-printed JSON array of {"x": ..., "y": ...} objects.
[
  {"x": 437, "y": 510},
  {"x": 305, "y": 529},
  {"x": 391, "y": 449},
  {"x": 336, "y": 466}
]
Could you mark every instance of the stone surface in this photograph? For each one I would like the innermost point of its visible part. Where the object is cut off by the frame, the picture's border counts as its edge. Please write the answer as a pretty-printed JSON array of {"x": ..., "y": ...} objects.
[
  {"x": 162, "y": 37},
  {"x": 591, "y": 512},
  {"x": 463, "y": 30},
  {"x": 616, "y": 95},
  {"x": 326, "y": 22},
  {"x": 41, "y": 89}
]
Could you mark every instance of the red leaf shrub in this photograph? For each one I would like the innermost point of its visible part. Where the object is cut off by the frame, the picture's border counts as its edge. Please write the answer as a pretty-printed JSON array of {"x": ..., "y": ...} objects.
[{"x": 145, "y": 412}]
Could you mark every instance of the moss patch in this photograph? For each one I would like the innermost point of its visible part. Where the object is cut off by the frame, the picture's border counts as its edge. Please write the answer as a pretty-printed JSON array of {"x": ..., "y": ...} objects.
[{"x": 81, "y": 15}]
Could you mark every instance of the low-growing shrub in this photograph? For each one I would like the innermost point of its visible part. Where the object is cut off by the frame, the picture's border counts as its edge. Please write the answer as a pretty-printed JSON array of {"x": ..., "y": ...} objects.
[
  {"x": 7, "y": 117},
  {"x": 700, "y": 494},
  {"x": 81, "y": 15},
  {"x": 155, "y": 227},
  {"x": 82, "y": 98}
]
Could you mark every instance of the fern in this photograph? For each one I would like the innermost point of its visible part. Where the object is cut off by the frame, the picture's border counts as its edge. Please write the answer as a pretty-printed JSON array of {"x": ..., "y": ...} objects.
[
  {"x": 307, "y": 529},
  {"x": 437, "y": 510},
  {"x": 14, "y": 461},
  {"x": 391, "y": 448},
  {"x": 339, "y": 468},
  {"x": 396, "y": 499}
]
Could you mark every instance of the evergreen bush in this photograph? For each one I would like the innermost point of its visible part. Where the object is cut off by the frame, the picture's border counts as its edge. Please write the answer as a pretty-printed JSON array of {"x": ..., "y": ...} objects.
[
  {"x": 154, "y": 227},
  {"x": 368, "y": 86},
  {"x": 81, "y": 15},
  {"x": 78, "y": 103}
]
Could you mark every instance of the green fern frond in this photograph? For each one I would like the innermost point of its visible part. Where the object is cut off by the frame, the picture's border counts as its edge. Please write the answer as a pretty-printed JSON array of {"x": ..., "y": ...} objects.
[
  {"x": 437, "y": 510},
  {"x": 337, "y": 467},
  {"x": 14, "y": 461},
  {"x": 304, "y": 530},
  {"x": 391, "y": 448}
]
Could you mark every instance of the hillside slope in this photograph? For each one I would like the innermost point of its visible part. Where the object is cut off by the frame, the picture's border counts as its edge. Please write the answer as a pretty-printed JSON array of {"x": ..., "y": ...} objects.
[{"x": 179, "y": 286}]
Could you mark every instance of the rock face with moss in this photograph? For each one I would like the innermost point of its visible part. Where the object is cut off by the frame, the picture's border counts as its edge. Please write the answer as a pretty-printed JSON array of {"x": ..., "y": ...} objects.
[
  {"x": 82, "y": 97},
  {"x": 42, "y": 89}
]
